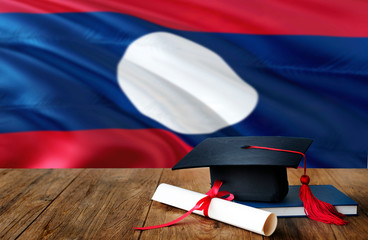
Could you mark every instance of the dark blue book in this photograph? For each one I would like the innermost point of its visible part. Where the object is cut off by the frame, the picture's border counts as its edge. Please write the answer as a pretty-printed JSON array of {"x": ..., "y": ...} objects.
[{"x": 292, "y": 206}]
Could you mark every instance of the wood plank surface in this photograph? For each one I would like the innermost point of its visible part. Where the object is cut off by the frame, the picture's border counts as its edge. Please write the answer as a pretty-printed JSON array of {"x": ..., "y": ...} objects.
[
  {"x": 25, "y": 193},
  {"x": 99, "y": 204},
  {"x": 198, "y": 227},
  {"x": 108, "y": 203}
]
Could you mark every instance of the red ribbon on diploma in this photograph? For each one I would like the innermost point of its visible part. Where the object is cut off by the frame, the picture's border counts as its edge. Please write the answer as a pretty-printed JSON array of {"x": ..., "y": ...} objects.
[{"x": 202, "y": 205}]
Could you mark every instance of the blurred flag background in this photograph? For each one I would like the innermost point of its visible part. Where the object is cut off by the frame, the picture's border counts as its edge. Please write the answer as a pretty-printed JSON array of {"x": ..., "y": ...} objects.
[{"x": 139, "y": 83}]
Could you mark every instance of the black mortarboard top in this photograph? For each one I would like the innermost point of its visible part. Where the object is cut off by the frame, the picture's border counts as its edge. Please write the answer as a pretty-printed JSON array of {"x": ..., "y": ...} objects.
[{"x": 249, "y": 174}]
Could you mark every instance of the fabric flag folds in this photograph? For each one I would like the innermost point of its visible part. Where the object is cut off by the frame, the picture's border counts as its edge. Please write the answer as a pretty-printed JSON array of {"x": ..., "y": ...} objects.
[{"x": 140, "y": 83}]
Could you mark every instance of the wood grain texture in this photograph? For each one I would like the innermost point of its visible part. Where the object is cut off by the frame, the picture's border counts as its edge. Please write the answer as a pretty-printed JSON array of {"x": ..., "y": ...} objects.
[
  {"x": 99, "y": 204},
  {"x": 25, "y": 193},
  {"x": 352, "y": 182},
  {"x": 107, "y": 203}
]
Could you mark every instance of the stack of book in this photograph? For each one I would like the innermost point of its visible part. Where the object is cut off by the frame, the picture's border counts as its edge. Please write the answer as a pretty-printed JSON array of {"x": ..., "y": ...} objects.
[{"x": 292, "y": 206}]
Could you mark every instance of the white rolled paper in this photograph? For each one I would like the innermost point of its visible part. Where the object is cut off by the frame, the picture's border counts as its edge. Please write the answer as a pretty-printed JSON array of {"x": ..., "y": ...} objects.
[{"x": 242, "y": 216}]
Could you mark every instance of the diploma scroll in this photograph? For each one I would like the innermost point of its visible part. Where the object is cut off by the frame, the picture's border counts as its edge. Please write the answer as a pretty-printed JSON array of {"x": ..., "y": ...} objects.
[{"x": 249, "y": 218}]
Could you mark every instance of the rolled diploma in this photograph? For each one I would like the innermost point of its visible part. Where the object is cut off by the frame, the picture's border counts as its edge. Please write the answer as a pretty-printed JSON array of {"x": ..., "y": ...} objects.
[{"x": 242, "y": 216}]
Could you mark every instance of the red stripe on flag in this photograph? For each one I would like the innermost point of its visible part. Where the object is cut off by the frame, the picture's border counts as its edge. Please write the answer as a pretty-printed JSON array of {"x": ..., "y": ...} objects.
[
  {"x": 288, "y": 17},
  {"x": 91, "y": 149}
]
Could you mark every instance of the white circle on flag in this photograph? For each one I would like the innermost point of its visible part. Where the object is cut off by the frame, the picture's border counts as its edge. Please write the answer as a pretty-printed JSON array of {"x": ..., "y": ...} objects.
[{"x": 183, "y": 85}]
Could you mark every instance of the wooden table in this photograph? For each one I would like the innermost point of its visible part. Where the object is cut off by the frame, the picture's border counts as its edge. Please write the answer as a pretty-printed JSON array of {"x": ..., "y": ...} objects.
[{"x": 107, "y": 203}]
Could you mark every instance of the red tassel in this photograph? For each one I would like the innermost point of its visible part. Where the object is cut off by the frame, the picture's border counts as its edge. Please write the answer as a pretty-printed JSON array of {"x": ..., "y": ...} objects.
[
  {"x": 316, "y": 209},
  {"x": 313, "y": 208}
]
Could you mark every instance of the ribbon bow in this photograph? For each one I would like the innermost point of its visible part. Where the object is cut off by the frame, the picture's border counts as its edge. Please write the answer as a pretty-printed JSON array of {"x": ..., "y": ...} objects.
[{"x": 202, "y": 205}]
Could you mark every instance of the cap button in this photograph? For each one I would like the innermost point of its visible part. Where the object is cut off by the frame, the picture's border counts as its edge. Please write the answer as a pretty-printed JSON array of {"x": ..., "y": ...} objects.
[{"x": 304, "y": 179}]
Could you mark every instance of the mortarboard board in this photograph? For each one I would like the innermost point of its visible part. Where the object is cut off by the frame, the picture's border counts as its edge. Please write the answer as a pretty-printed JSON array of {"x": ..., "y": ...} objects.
[{"x": 250, "y": 174}]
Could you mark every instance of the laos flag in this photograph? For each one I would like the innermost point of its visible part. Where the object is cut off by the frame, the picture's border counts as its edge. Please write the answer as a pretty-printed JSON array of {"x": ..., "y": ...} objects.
[{"x": 139, "y": 83}]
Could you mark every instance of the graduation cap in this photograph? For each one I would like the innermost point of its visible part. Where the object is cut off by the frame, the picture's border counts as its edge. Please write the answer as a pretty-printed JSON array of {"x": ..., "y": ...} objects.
[
  {"x": 250, "y": 174},
  {"x": 254, "y": 169}
]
